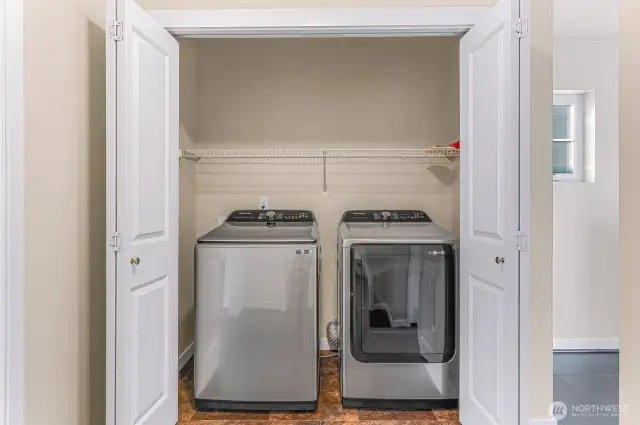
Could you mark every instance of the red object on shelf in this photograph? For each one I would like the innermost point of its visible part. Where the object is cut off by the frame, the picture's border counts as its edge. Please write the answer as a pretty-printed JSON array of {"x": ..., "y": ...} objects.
[{"x": 455, "y": 145}]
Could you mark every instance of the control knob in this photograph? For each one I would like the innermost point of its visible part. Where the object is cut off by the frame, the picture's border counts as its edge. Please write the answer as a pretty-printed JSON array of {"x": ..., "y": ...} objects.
[
  {"x": 386, "y": 215},
  {"x": 271, "y": 215}
]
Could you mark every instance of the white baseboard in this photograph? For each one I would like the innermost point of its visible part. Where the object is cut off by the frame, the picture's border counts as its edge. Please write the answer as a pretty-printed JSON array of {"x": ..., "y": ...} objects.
[
  {"x": 324, "y": 344},
  {"x": 185, "y": 356},
  {"x": 548, "y": 421},
  {"x": 585, "y": 344}
]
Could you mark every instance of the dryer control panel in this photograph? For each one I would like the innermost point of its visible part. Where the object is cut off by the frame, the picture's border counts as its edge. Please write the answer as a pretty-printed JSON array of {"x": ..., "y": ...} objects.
[
  {"x": 271, "y": 216},
  {"x": 375, "y": 216}
]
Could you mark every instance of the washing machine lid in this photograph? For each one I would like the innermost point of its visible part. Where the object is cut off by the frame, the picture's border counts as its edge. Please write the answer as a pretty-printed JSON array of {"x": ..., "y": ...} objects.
[
  {"x": 265, "y": 226},
  {"x": 393, "y": 227}
]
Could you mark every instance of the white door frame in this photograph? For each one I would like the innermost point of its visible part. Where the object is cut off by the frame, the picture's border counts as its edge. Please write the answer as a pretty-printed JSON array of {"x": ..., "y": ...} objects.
[
  {"x": 525, "y": 220},
  {"x": 371, "y": 22},
  {"x": 361, "y": 22},
  {"x": 11, "y": 214}
]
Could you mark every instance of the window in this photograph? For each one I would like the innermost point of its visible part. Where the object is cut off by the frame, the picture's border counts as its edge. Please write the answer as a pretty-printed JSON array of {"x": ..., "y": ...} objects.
[{"x": 568, "y": 137}]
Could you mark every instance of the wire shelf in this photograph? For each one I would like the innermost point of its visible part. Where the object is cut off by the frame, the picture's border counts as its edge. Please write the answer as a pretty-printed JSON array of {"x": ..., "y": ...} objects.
[
  {"x": 433, "y": 155},
  {"x": 256, "y": 156},
  {"x": 323, "y": 157}
]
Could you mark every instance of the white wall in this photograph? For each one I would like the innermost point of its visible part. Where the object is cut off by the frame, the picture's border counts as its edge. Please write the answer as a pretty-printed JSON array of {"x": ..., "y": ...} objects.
[{"x": 586, "y": 214}]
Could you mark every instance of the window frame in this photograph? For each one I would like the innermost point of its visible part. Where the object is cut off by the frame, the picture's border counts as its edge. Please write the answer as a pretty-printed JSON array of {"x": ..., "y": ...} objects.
[{"x": 578, "y": 121}]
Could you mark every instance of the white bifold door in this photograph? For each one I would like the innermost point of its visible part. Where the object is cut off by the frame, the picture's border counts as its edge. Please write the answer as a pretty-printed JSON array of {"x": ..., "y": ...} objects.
[
  {"x": 143, "y": 363},
  {"x": 489, "y": 221}
]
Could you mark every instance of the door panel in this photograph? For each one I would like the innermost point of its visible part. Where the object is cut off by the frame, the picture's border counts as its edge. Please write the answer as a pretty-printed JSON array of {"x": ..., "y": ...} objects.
[
  {"x": 146, "y": 311},
  {"x": 489, "y": 298},
  {"x": 486, "y": 314},
  {"x": 150, "y": 378},
  {"x": 487, "y": 112},
  {"x": 150, "y": 200}
]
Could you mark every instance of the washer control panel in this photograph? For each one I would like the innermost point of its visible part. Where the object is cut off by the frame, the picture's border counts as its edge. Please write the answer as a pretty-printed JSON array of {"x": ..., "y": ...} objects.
[
  {"x": 379, "y": 216},
  {"x": 271, "y": 216}
]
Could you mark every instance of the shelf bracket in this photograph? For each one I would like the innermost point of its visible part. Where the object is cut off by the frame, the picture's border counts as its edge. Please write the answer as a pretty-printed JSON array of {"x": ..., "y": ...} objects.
[{"x": 184, "y": 154}]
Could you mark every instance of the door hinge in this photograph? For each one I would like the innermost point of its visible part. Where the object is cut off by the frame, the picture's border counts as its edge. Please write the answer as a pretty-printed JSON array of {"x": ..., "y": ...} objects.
[
  {"x": 521, "y": 237},
  {"x": 522, "y": 27},
  {"x": 115, "y": 242},
  {"x": 115, "y": 30}
]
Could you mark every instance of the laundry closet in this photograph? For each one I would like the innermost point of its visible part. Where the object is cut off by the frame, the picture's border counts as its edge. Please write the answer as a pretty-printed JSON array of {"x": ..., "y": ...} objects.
[
  {"x": 244, "y": 100},
  {"x": 336, "y": 120}
]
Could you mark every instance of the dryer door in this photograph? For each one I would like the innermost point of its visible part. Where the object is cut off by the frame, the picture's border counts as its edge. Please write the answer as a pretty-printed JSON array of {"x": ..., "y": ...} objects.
[{"x": 403, "y": 303}]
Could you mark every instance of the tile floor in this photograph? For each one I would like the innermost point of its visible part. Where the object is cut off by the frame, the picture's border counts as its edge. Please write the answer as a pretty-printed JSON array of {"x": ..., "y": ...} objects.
[
  {"x": 579, "y": 379},
  {"x": 586, "y": 379},
  {"x": 330, "y": 411}
]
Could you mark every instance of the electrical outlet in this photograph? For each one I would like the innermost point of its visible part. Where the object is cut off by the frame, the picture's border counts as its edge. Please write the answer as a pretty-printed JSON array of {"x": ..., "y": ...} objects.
[{"x": 264, "y": 203}]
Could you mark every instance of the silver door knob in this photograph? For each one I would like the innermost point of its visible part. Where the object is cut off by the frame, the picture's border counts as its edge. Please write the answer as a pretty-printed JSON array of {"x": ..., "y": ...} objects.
[
  {"x": 499, "y": 260},
  {"x": 134, "y": 260}
]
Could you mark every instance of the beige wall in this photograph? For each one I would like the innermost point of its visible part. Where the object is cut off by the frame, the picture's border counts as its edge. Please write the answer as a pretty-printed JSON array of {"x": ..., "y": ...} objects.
[
  {"x": 65, "y": 211},
  {"x": 188, "y": 105},
  {"x": 629, "y": 211},
  {"x": 541, "y": 210},
  {"x": 320, "y": 93}
]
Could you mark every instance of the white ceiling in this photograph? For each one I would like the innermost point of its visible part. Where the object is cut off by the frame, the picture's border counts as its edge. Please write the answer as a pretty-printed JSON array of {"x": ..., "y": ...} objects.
[{"x": 586, "y": 19}]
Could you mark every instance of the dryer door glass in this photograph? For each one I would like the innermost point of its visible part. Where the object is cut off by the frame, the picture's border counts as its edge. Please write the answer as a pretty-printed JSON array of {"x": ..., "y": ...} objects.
[
  {"x": 429, "y": 268},
  {"x": 403, "y": 304}
]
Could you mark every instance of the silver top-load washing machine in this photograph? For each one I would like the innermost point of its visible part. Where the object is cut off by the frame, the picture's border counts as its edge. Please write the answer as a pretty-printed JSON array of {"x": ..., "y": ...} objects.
[
  {"x": 256, "y": 312},
  {"x": 398, "y": 311}
]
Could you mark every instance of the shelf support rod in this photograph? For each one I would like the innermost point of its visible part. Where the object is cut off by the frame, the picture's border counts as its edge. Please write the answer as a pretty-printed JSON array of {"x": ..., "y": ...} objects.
[{"x": 324, "y": 172}]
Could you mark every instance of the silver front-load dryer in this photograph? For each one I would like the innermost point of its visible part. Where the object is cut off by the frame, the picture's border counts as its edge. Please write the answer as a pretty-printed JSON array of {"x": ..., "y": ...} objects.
[
  {"x": 398, "y": 311},
  {"x": 256, "y": 313}
]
